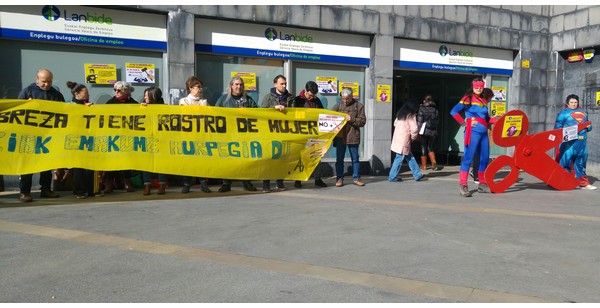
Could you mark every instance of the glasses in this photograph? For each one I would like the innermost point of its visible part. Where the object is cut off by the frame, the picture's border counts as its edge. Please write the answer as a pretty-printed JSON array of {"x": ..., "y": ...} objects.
[{"x": 118, "y": 90}]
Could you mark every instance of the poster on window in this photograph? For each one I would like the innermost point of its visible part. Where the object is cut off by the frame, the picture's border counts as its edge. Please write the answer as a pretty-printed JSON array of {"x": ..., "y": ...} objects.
[
  {"x": 139, "y": 72},
  {"x": 498, "y": 109},
  {"x": 248, "y": 78},
  {"x": 327, "y": 84},
  {"x": 499, "y": 93},
  {"x": 100, "y": 73},
  {"x": 351, "y": 85}
]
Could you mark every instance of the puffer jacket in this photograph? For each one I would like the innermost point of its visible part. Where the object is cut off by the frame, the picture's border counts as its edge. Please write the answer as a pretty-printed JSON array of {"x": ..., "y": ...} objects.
[{"x": 428, "y": 114}]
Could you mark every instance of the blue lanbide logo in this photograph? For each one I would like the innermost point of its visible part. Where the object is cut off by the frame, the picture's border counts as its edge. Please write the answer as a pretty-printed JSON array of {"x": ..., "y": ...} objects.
[
  {"x": 443, "y": 50},
  {"x": 51, "y": 12},
  {"x": 271, "y": 34},
  {"x": 446, "y": 51}
]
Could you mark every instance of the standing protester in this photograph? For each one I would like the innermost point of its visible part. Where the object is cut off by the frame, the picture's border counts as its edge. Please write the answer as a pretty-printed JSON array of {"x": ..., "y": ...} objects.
[
  {"x": 574, "y": 152},
  {"x": 153, "y": 95},
  {"x": 236, "y": 97},
  {"x": 487, "y": 94},
  {"x": 40, "y": 89},
  {"x": 277, "y": 98},
  {"x": 405, "y": 131},
  {"x": 122, "y": 95},
  {"x": 194, "y": 98},
  {"x": 349, "y": 136},
  {"x": 427, "y": 122},
  {"x": 308, "y": 99},
  {"x": 83, "y": 179},
  {"x": 474, "y": 106}
]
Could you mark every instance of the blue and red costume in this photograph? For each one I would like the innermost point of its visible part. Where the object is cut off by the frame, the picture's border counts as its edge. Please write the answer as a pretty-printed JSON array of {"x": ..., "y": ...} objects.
[
  {"x": 476, "y": 135},
  {"x": 574, "y": 152}
]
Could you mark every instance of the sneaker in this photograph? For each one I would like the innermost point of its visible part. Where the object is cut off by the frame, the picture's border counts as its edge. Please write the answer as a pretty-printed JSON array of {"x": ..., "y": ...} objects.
[
  {"x": 248, "y": 186},
  {"x": 464, "y": 191},
  {"x": 225, "y": 188},
  {"x": 81, "y": 196},
  {"x": 186, "y": 188},
  {"x": 420, "y": 178},
  {"x": 266, "y": 188},
  {"x": 320, "y": 183},
  {"x": 204, "y": 187},
  {"x": 339, "y": 183},
  {"x": 98, "y": 194},
  {"x": 358, "y": 182},
  {"x": 297, "y": 184},
  {"x": 590, "y": 187},
  {"x": 25, "y": 198},
  {"x": 48, "y": 194},
  {"x": 483, "y": 188},
  {"x": 396, "y": 180},
  {"x": 280, "y": 187}
]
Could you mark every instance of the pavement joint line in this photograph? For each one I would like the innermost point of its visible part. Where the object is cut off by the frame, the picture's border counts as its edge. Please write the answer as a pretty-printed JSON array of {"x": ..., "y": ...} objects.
[
  {"x": 346, "y": 276},
  {"x": 455, "y": 208}
]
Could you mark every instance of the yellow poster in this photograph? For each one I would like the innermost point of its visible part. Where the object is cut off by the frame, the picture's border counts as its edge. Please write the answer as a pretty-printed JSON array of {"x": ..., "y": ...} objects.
[
  {"x": 597, "y": 98},
  {"x": 139, "y": 72},
  {"x": 384, "y": 93},
  {"x": 327, "y": 84},
  {"x": 248, "y": 78},
  {"x": 498, "y": 109},
  {"x": 100, "y": 73},
  {"x": 513, "y": 125},
  {"x": 351, "y": 85},
  {"x": 499, "y": 93},
  {"x": 203, "y": 141}
]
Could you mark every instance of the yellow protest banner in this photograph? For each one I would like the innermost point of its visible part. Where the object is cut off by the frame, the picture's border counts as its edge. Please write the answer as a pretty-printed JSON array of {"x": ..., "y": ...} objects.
[{"x": 205, "y": 141}]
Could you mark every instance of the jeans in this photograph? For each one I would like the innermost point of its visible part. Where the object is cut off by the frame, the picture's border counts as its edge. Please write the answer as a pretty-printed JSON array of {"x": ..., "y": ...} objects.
[
  {"x": 147, "y": 178},
  {"x": 412, "y": 164},
  {"x": 340, "y": 153}
]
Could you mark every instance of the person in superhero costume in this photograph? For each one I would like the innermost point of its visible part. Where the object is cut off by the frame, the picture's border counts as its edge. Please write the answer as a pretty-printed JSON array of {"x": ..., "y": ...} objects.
[
  {"x": 573, "y": 153},
  {"x": 477, "y": 120}
]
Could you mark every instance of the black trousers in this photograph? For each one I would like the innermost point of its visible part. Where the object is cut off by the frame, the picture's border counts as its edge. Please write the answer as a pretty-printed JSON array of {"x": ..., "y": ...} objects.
[
  {"x": 25, "y": 181},
  {"x": 83, "y": 181}
]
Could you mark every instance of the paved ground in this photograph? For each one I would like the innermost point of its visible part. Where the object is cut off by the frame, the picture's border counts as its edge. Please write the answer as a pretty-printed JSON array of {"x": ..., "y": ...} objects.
[{"x": 385, "y": 242}]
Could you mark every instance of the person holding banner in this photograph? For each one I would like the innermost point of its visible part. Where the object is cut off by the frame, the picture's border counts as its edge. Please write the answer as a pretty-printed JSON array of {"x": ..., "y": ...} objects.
[
  {"x": 308, "y": 99},
  {"x": 40, "y": 89},
  {"x": 194, "y": 88},
  {"x": 153, "y": 95},
  {"x": 573, "y": 150},
  {"x": 236, "y": 97},
  {"x": 83, "y": 179},
  {"x": 122, "y": 95},
  {"x": 477, "y": 120},
  {"x": 277, "y": 98},
  {"x": 349, "y": 136}
]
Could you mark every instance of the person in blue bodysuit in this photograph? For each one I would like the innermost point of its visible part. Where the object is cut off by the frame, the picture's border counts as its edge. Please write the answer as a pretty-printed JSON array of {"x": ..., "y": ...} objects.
[
  {"x": 477, "y": 120},
  {"x": 574, "y": 152}
]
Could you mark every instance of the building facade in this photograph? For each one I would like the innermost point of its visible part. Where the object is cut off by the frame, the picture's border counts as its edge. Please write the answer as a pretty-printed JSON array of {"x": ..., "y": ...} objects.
[{"x": 385, "y": 53}]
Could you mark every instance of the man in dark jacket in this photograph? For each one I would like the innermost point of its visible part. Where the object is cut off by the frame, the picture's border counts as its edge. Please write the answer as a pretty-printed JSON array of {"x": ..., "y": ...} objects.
[
  {"x": 40, "y": 89},
  {"x": 308, "y": 99},
  {"x": 349, "y": 136}
]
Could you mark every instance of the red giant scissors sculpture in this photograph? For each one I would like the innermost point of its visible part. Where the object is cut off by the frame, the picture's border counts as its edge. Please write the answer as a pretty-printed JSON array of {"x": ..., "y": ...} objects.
[{"x": 529, "y": 155}]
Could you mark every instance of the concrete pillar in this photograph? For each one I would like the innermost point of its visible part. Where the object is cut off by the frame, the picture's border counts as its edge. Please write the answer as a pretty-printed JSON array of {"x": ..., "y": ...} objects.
[
  {"x": 378, "y": 132},
  {"x": 181, "y": 54}
]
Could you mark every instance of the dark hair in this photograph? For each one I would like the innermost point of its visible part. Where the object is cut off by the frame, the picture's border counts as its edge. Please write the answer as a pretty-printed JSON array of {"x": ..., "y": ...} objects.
[
  {"x": 571, "y": 96},
  {"x": 487, "y": 94},
  {"x": 277, "y": 78},
  {"x": 312, "y": 87},
  {"x": 409, "y": 107},
  {"x": 470, "y": 92},
  {"x": 154, "y": 95},
  {"x": 75, "y": 87},
  {"x": 193, "y": 81}
]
